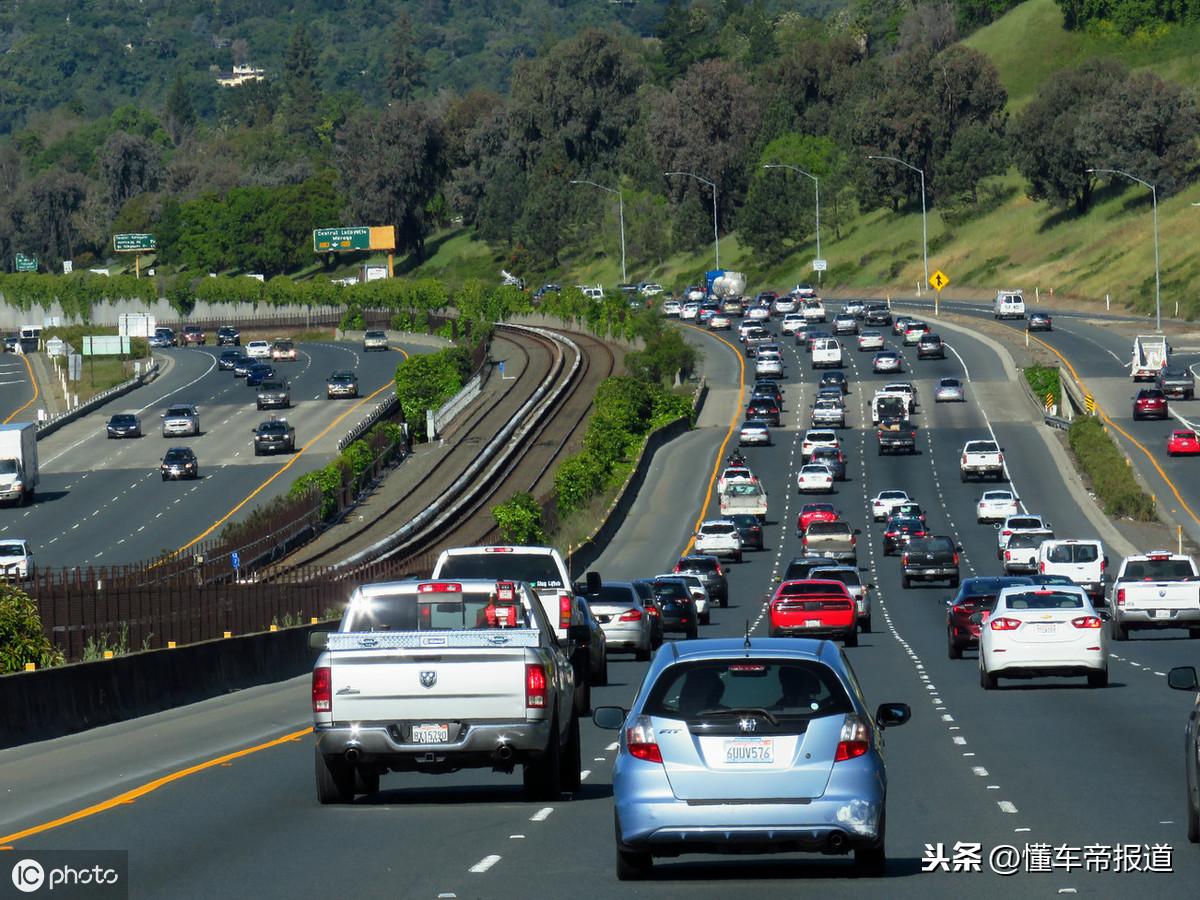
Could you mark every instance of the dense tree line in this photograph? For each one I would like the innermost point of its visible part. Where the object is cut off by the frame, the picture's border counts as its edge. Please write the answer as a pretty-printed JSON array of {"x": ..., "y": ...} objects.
[
  {"x": 1127, "y": 16},
  {"x": 723, "y": 90}
]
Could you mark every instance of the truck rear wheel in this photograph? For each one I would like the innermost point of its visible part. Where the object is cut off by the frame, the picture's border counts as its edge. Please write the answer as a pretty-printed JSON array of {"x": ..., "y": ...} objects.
[
  {"x": 335, "y": 780},
  {"x": 543, "y": 777},
  {"x": 366, "y": 781},
  {"x": 572, "y": 765},
  {"x": 1119, "y": 631}
]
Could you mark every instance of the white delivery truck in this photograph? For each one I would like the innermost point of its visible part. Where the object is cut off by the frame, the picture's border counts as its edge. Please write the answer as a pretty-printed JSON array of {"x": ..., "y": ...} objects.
[
  {"x": 1009, "y": 305},
  {"x": 18, "y": 462},
  {"x": 1150, "y": 355}
]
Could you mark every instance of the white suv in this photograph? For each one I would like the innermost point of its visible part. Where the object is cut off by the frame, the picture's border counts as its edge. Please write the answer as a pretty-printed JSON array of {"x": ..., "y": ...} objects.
[
  {"x": 16, "y": 559},
  {"x": 719, "y": 537}
]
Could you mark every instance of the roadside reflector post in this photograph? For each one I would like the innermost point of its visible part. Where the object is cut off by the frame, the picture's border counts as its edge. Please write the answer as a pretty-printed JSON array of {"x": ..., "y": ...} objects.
[
  {"x": 1106, "y": 301},
  {"x": 1178, "y": 535},
  {"x": 170, "y": 645},
  {"x": 312, "y": 621},
  {"x": 229, "y": 634},
  {"x": 29, "y": 667},
  {"x": 108, "y": 654},
  {"x": 274, "y": 627}
]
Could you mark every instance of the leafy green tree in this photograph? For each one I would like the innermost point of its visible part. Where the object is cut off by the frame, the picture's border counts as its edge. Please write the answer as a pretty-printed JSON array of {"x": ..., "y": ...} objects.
[
  {"x": 974, "y": 154},
  {"x": 550, "y": 203},
  {"x": 179, "y": 115},
  {"x": 685, "y": 38},
  {"x": 519, "y": 519},
  {"x": 22, "y": 639},
  {"x": 405, "y": 68},
  {"x": 129, "y": 165},
  {"x": 780, "y": 209},
  {"x": 301, "y": 89}
]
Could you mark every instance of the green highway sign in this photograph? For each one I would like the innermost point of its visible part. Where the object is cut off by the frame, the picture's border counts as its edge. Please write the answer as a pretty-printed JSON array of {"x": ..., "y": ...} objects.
[
  {"x": 133, "y": 243},
  {"x": 105, "y": 345},
  {"x": 329, "y": 239},
  {"x": 26, "y": 263}
]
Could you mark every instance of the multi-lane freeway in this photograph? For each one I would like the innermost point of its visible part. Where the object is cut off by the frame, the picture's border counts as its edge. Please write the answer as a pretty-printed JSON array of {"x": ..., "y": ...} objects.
[
  {"x": 1034, "y": 763},
  {"x": 102, "y": 501}
]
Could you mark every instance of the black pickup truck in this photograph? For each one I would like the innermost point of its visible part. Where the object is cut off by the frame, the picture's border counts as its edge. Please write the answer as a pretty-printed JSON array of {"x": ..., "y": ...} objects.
[
  {"x": 1178, "y": 384},
  {"x": 896, "y": 436},
  {"x": 930, "y": 559}
]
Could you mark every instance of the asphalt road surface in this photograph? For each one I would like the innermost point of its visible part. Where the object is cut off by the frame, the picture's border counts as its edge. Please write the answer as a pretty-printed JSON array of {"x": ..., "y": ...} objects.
[
  {"x": 102, "y": 502},
  {"x": 1047, "y": 762}
]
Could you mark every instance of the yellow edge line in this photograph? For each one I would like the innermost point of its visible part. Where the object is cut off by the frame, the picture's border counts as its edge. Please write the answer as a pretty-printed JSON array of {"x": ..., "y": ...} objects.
[
  {"x": 295, "y": 456},
  {"x": 1103, "y": 415},
  {"x": 20, "y": 409},
  {"x": 733, "y": 423},
  {"x": 133, "y": 795}
]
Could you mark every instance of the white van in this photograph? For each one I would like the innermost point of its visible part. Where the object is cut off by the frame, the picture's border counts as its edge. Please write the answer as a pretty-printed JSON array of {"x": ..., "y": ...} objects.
[
  {"x": 592, "y": 292},
  {"x": 1083, "y": 562},
  {"x": 826, "y": 352},
  {"x": 1009, "y": 305}
]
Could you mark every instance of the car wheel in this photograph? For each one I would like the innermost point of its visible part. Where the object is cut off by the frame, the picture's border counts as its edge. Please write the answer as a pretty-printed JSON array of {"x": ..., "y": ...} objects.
[
  {"x": 542, "y": 778},
  {"x": 905, "y": 582},
  {"x": 335, "y": 780},
  {"x": 962, "y": 476},
  {"x": 1193, "y": 820},
  {"x": 725, "y": 602},
  {"x": 164, "y": 478},
  {"x": 987, "y": 681},
  {"x": 737, "y": 559},
  {"x": 705, "y": 618},
  {"x": 851, "y": 639},
  {"x": 366, "y": 781},
  {"x": 865, "y": 625},
  {"x": 1098, "y": 679},
  {"x": 953, "y": 650},
  {"x": 871, "y": 862},
  {"x": 572, "y": 759},
  {"x": 1119, "y": 631}
]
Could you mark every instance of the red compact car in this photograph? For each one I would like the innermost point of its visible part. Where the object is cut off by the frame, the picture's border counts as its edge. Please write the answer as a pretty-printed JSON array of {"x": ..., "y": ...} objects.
[
  {"x": 1183, "y": 442},
  {"x": 814, "y": 607},
  {"x": 815, "y": 512},
  {"x": 1150, "y": 403}
]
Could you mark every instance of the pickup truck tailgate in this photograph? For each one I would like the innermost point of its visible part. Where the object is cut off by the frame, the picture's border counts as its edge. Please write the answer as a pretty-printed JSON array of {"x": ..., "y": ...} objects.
[
  {"x": 1161, "y": 594},
  {"x": 388, "y": 685}
]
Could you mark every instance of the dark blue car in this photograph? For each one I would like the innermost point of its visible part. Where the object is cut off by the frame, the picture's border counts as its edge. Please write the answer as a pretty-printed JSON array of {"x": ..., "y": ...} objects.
[{"x": 258, "y": 373}]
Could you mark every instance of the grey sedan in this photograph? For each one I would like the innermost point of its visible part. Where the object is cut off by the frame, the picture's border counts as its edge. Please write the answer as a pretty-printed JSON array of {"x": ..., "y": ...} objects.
[
  {"x": 949, "y": 390},
  {"x": 750, "y": 746},
  {"x": 623, "y": 618},
  {"x": 754, "y": 431}
]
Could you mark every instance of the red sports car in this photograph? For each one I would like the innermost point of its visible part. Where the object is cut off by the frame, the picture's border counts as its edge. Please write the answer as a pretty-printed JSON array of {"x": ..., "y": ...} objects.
[
  {"x": 814, "y": 607},
  {"x": 1183, "y": 442},
  {"x": 815, "y": 512}
]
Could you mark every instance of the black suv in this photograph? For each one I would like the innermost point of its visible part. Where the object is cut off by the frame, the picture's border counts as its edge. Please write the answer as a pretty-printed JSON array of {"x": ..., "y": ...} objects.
[
  {"x": 274, "y": 436},
  {"x": 749, "y": 530},
  {"x": 800, "y": 566},
  {"x": 877, "y": 314},
  {"x": 228, "y": 359},
  {"x": 763, "y": 408},
  {"x": 930, "y": 559},
  {"x": 710, "y": 572},
  {"x": 228, "y": 336},
  {"x": 179, "y": 462},
  {"x": 274, "y": 393}
]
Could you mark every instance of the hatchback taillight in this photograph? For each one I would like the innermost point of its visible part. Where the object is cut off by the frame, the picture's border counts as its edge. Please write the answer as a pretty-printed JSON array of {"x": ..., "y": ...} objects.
[
  {"x": 1004, "y": 624},
  {"x": 322, "y": 689},
  {"x": 641, "y": 741},
  {"x": 535, "y": 686},
  {"x": 1087, "y": 622},
  {"x": 855, "y": 739}
]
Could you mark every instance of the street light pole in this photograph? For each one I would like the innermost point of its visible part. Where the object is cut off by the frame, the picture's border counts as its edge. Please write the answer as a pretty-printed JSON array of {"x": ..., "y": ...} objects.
[
  {"x": 1154, "y": 202},
  {"x": 924, "y": 223},
  {"x": 817, "y": 188},
  {"x": 621, "y": 213},
  {"x": 716, "y": 236}
]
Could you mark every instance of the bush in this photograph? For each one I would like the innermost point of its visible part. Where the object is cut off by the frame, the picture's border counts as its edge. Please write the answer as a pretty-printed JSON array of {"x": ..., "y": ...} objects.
[
  {"x": 519, "y": 519},
  {"x": 425, "y": 381},
  {"x": 1044, "y": 380},
  {"x": 577, "y": 480},
  {"x": 21, "y": 638},
  {"x": 1109, "y": 471}
]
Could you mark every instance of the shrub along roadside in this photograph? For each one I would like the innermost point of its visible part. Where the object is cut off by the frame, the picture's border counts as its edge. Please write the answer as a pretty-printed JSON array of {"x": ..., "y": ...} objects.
[
  {"x": 1108, "y": 470},
  {"x": 426, "y": 381},
  {"x": 520, "y": 520},
  {"x": 21, "y": 638},
  {"x": 345, "y": 467},
  {"x": 1044, "y": 380}
]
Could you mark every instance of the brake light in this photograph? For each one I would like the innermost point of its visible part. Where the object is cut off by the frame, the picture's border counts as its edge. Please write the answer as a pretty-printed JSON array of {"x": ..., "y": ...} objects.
[
  {"x": 1004, "y": 624},
  {"x": 1103, "y": 564},
  {"x": 652, "y": 612},
  {"x": 1007, "y": 556},
  {"x": 535, "y": 686},
  {"x": 322, "y": 689},
  {"x": 855, "y": 739},
  {"x": 641, "y": 741},
  {"x": 634, "y": 615},
  {"x": 1087, "y": 622},
  {"x": 1120, "y": 596},
  {"x": 677, "y": 565},
  {"x": 439, "y": 587},
  {"x": 956, "y": 558},
  {"x": 719, "y": 572},
  {"x": 564, "y": 611},
  {"x": 904, "y": 559},
  {"x": 1007, "y": 532},
  {"x": 1001, "y": 456}
]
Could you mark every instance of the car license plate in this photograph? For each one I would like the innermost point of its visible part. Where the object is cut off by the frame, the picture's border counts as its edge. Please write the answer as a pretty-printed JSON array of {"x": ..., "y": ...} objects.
[
  {"x": 1161, "y": 613},
  {"x": 813, "y": 623},
  {"x": 430, "y": 734},
  {"x": 1046, "y": 628},
  {"x": 755, "y": 751}
]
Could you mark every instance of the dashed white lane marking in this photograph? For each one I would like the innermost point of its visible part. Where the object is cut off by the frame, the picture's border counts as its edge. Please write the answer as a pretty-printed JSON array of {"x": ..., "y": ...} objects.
[
  {"x": 980, "y": 771},
  {"x": 1006, "y": 806},
  {"x": 583, "y": 776},
  {"x": 612, "y": 746},
  {"x": 599, "y": 758},
  {"x": 447, "y": 895},
  {"x": 484, "y": 864},
  {"x": 1020, "y": 830},
  {"x": 516, "y": 837},
  {"x": 542, "y": 814}
]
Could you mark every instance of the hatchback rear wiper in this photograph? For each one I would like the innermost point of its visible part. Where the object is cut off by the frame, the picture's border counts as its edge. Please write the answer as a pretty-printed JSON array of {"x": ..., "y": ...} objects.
[{"x": 743, "y": 711}]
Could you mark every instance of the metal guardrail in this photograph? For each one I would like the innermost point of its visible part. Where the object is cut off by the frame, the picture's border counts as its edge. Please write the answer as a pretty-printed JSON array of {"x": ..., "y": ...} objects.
[
  {"x": 382, "y": 410},
  {"x": 51, "y": 425},
  {"x": 437, "y": 421}
]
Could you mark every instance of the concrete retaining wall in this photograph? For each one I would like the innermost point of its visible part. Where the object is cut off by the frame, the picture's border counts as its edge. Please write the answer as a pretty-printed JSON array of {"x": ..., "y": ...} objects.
[{"x": 106, "y": 313}]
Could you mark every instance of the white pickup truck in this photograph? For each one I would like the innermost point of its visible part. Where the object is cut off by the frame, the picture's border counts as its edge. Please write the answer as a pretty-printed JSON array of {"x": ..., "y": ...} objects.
[
  {"x": 981, "y": 459},
  {"x": 1158, "y": 590},
  {"x": 437, "y": 676}
]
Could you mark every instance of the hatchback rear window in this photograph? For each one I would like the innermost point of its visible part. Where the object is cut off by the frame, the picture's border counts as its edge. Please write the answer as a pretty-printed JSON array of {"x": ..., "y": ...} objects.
[
  {"x": 713, "y": 688},
  {"x": 700, "y": 563}
]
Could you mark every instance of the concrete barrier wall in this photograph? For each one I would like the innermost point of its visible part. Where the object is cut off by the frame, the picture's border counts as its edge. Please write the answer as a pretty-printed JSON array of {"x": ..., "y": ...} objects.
[
  {"x": 54, "y": 702},
  {"x": 106, "y": 313}
]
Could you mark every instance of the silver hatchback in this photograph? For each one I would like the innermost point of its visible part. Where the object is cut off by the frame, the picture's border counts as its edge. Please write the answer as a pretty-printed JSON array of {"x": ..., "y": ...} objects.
[
  {"x": 623, "y": 618},
  {"x": 749, "y": 746}
]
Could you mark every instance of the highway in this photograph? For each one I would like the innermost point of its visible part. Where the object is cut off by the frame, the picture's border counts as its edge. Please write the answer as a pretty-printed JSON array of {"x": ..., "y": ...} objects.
[
  {"x": 1043, "y": 762},
  {"x": 17, "y": 389},
  {"x": 102, "y": 502}
]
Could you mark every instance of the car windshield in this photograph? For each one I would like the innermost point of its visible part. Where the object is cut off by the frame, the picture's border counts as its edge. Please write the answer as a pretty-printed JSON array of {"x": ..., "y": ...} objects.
[
  {"x": 1043, "y": 600},
  {"x": 431, "y": 612},
  {"x": 179, "y": 411},
  {"x": 814, "y": 470},
  {"x": 670, "y": 590},
  {"x": 699, "y": 563},
  {"x": 538, "y": 570},
  {"x": 1023, "y": 522},
  {"x": 755, "y": 425},
  {"x": 177, "y": 456},
  {"x": 1030, "y": 539},
  {"x": 898, "y": 524},
  {"x": 931, "y": 545},
  {"x": 272, "y": 386},
  {"x": 1159, "y": 570},
  {"x": 123, "y": 420},
  {"x": 375, "y": 334},
  {"x": 1073, "y": 553},
  {"x": 272, "y": 428},
  {"x": 1004, "y": 496},
  {"x": 949, "y": 383},
  {"x": 718, "y": 528},
  {"x": 745, "y": 520},
  {"x": 283, "y": 345},
  {"x": 12, "y": 550},
  {"x": 714, "y": 687},
  {"x": 743, "y": 489},
  {"x": 828, "y": 528},
  {"x": 848, "y": 577},
  {"x": 982, "y": 447},
  {"x": 816, "y": 507}
]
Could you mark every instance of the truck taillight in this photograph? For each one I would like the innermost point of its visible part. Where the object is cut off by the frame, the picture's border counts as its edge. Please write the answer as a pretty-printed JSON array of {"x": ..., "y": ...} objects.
[
  {"x": 322, "y": 689},
  {"x": 535, "y": 686},
  {"x": 1007, "y": 555},
  {"x": 1103, "y": 564},
  {"x": 564, "y": 611},
  {"x": 1042, "y": 568},
  {"x": 1001, "y": 459},
  {"x": 634, "y": 615},
  {"x": 1120, "y": 596},
  {"x": 719, "y": 571}
]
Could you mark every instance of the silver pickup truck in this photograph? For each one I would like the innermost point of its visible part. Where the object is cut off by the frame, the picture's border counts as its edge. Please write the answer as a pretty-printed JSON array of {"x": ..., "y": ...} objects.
[{"x": 437, "y": 676}]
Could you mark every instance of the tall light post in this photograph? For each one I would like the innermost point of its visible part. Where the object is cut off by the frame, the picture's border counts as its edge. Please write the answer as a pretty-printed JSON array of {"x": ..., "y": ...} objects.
[
  {"x": 621, "y": 213},
  {"x": 716, "y": 237},
  {"x": 817, "y": 188},
  {"x": 924, "y": 224},
  {"x": 1154, "y": 200}
]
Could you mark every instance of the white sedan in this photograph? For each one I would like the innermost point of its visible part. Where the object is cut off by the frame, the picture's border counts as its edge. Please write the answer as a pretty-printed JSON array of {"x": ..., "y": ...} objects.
[
  {"x": 996, "y": 506},
  {"x": 886, "y": 361},
  {"x": 259, "y": 349},
  {"x": 814, "y": 479},
  {"x": 870, "y": 340},
  {"x": 1014, "y": 523},
  {"x": 758, "y": 314},
  {"x": 1034, "y": 631},
  {"x": 719, "y": 322},
  {"x": 744, "y": 328},
  {"x": 885, "y": 502},
  {"x": 814, "y": 438},
  {"x": 671, "y": 308},
  {"x": 785, "y": 304},
  {"x": 719, "y": 537},
  {"x": 689, "y": 311}
]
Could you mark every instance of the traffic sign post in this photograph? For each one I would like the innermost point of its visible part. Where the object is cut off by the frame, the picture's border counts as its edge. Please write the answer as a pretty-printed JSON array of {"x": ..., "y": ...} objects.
[
  {"x": 137, "y": 244},
  {"x": 357, "y": 237},
  {"x": 236, "y": 561},
  {"x": 24, "y": 263},
  {"x": 820, "y": 265},
  {"x": 937, "y": 281}
]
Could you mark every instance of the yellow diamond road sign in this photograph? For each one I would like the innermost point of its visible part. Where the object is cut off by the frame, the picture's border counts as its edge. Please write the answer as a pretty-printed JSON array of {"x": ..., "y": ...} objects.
[{"x": 938, "y": 280}]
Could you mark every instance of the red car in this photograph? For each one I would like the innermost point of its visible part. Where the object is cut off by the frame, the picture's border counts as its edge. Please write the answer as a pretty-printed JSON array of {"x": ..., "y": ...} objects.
[
  {"x": 1150, "y": 403},
  {"x": 814, "y": 607},
  {"x": 193, "y": 334},
  {"x": 814, "y": 512},
  {"x": 1183, "y": 442}
]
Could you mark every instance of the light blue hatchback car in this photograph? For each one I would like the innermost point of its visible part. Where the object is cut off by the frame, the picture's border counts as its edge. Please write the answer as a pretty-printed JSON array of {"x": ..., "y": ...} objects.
[{"x": 749, "y": 746}]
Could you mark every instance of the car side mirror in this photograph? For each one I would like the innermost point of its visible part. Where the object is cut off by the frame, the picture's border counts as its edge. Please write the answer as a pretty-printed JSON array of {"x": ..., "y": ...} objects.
[
  {"x": 318, "y": 640},
  {"x": 1104, "y": 615},
  {"x": 594, "y": 584},
  {"x": 889, "y": 715},
  {"x": 996, "y": 525},
  {"x": 958, "y": 547},
  {"x": 870, "y": 585},
  {"x": 580, "y": 634},
  {"x": 1183, "y": 678},
  {"x": 858, "y": 531},
  {"x": 610, "y": 718}
]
